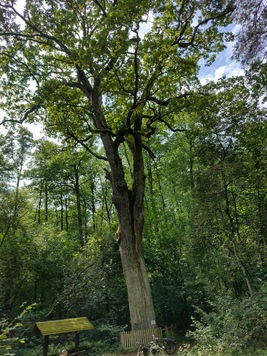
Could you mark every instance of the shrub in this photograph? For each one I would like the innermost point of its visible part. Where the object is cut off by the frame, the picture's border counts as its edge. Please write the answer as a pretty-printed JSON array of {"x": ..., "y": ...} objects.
[
  {"x": 237, "y": 324},
  {"x": 12, "y": 332}
]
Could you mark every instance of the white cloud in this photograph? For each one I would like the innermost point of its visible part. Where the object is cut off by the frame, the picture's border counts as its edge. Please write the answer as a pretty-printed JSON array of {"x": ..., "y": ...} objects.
[
  {"x": 36, "y": 129},
  {"x": 224, "y": 66},
  {"x": 236, "y": 29},
  {"x": 219, "y": 72},
  {"x": 231, "y": 70}
]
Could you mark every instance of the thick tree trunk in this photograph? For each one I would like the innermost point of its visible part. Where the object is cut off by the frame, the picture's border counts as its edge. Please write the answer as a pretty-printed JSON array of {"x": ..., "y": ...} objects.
[
  {"x": 139, "y": 295},
  {"x": 129, "y": 203},
  {"x": 130, "y": 208}
]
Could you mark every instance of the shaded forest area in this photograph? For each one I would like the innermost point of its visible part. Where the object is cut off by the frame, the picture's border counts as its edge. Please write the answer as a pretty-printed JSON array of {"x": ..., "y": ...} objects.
[{"x": 134, "y": 170}]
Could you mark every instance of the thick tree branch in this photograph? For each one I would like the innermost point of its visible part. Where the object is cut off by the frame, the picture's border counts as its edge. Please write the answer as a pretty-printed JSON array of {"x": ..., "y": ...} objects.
[
  {"x": 39, "y": 33},
  {"x": 82, "y": 142},
  {"x": 23, "y": 64},
  {"x": 4, "y": 235},
  {"x": 151, "y": 154},
  {"x": 136, "y": 66},
  {"x": 166, "y": 102},
  {"x": 25, "y": 116},
  {"x": 121, "y": 85},
  {"x": 84, "y": 80},
  {"x": 169, "y": 126},
  {"x": 100, "y": 7},
  {"x": 201, "y": 23}
]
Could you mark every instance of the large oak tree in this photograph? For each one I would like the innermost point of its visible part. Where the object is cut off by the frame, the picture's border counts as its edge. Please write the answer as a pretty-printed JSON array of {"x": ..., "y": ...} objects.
[{"x": 111, "y": 73}]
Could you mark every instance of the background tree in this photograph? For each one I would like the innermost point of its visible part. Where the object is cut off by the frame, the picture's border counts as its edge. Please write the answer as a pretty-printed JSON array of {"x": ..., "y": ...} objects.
[
  {"x": 252, "y": 36},
  {"x": 223, "y": 191}
]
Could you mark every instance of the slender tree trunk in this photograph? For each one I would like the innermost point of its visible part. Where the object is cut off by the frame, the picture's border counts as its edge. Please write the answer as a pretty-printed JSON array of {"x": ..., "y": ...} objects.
[
  {"x": 66, "y": 214},
  {"x": 262, "y": 221},
  {"x": 234, "y": 231},
  {"x": 46, "y": 201},
  {"x": 93, "y": 207},
  {"x": 61, "y": 210},
  {"x": 85, "y": 229},
  {"x": 40, "y": 203},
  {"x": 78, "y": 204},
  {"x": 191, "y": 164}
]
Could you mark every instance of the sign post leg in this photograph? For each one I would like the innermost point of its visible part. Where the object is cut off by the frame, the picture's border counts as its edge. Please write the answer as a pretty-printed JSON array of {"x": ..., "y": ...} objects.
[
  {"x": 77, "y": 341},
  {"x": 46, "y": 341}
]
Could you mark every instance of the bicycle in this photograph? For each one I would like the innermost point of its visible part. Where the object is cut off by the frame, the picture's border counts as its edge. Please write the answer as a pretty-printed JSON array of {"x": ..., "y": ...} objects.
[{"x": 154, "y": 347}]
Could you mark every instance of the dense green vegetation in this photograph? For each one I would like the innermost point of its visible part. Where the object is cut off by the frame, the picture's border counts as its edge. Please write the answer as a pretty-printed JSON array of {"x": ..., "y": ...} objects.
[{"x": 74, "y": 205}]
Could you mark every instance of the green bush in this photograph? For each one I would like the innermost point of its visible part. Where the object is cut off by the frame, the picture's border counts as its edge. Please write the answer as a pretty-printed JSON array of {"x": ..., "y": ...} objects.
[
  {"x": 236, "y": 324},
  {"x": 12, "y": 333}
]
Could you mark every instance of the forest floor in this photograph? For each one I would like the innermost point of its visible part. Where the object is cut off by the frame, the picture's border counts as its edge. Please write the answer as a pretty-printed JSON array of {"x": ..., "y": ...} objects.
[
  {"x": 180, "y": 347},
  {"x": 127, "y": 354}
]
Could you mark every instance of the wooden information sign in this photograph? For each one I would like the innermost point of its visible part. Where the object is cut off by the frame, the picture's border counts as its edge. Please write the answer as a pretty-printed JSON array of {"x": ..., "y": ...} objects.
[{"x": 54, "y": 327}]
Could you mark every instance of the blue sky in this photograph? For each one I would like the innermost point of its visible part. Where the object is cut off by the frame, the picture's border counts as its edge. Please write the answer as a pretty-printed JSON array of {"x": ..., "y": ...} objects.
[{"x": 224, "y": 65}]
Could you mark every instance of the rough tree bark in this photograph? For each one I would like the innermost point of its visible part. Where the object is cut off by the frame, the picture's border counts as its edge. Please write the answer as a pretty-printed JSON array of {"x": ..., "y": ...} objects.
[{"x": 129, "y": 204}]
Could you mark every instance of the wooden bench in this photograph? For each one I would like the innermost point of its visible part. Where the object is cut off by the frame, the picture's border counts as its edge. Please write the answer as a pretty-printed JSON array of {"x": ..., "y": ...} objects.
[{"x": 53, "y": 327}]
